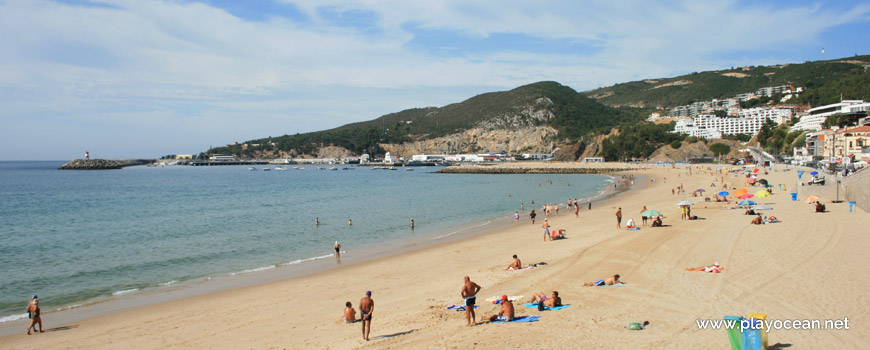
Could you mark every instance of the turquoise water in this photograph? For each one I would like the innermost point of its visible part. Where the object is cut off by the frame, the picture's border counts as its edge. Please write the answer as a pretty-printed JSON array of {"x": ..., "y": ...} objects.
[{"x": 76, "y": 236}]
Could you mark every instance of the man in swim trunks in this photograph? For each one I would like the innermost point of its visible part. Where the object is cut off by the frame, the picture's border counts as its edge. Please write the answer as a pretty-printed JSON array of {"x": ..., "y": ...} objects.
[
  {"x": 469, "y": 293},
  {"x": 366, "y": 308},
  {"x": 619, "y": 218},
  {"x": 532, "y": 216},
  {"x": 337, "y": 249},
  {"x": 609, "y": 281},
  {"x": 507, "y": 311},
  {"x": 349, "y": 313},
  {"x": 546, "y": 227},
  {"x": 516, "y": 265}
]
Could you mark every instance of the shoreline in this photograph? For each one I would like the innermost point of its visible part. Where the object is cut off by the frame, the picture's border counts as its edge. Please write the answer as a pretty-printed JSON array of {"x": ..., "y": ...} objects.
[
  {"x": 125, "y": 300},
  {"x": 782, "y": 269}
]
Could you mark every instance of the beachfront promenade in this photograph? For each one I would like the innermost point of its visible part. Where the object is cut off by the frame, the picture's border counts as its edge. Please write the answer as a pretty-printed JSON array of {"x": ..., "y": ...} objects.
[{"x": 807, "y": 267}]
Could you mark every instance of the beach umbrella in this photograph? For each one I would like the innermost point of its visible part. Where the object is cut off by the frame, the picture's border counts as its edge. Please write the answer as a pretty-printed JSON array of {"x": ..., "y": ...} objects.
[
  {"x": 748, "y": 195},
  {"x": 755, "y": 171},
  {"x": 763, "y": 181},
  {"x": 762, "y": 194},
  {"x": 723, "y": 193},
  {"x": 740, "y": 192},
  {"x": 651, "y": 213},
  {"x": 812, "y": 199},
  {"x": 760, "y": 207},
  {"x": 750, "y": 180},
  {"x": 746, "y": 203},
  {"x": 814, "y": 173},
  {"x": 685, "y": 203},
  {"x": 700, "y": 190}
]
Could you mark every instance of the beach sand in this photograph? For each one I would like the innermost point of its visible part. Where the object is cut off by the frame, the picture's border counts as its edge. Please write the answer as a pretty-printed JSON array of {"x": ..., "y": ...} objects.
[{"x": 806, "y": 267}]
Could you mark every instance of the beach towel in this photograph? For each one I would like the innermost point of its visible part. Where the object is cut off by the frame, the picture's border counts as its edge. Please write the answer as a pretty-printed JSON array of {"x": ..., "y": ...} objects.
[
  {"x": 520, "y": 319},
  {"x": 533, "y": 305},
  {"x": 522, "y": 268},
  {"x": 634, "y": 229},
  {"x": 458, "y": 307},
  {"x": 497, "y": 299}
]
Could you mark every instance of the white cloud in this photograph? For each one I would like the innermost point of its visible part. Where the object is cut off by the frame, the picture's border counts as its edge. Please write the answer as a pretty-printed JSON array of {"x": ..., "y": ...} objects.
[{"x": 142, "y": 64}]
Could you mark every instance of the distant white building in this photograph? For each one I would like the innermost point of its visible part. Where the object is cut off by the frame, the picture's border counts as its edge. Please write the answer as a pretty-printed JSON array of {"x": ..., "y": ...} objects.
[
  {"x": 815, "y": 117},
  {"x": 537, "y": 156}
]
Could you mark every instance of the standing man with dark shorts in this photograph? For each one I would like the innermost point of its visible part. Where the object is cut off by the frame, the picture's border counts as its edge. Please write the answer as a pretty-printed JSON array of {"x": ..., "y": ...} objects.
[
  {"x": 366, "y": 308},
  {"x": 34, "y": 311},
  {"x": 469, "y": 293},
  {"x": 619, "y": 218}
]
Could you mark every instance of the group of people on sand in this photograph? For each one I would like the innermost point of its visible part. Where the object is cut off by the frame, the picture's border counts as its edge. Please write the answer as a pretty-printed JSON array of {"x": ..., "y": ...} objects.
[{"x": 366, "y": 308}]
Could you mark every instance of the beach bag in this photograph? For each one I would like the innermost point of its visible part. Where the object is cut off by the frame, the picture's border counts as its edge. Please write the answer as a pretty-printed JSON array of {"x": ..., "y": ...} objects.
[{"x": 635, "y": 326}]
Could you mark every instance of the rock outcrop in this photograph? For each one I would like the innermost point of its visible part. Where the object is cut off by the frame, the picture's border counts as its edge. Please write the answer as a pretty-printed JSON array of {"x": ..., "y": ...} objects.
[
  {"x": 529, "y": 139},
  {"x": 102, "y": 164}
]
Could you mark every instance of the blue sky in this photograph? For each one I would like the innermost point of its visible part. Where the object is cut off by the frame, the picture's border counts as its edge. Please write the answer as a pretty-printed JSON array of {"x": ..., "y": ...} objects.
[{"x": 143, "y": 78}]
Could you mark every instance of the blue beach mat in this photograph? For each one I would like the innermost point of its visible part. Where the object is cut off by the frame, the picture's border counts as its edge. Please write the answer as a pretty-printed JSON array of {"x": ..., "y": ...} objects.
[
  {"x": 548, "y": 308},
  {"x": 458, "y": 307},
  {"x": 520, "y": 319}
]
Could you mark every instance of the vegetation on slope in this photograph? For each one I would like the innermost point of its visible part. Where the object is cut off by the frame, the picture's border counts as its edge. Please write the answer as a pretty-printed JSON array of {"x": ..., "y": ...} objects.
[{"x": 683, "y": 90}]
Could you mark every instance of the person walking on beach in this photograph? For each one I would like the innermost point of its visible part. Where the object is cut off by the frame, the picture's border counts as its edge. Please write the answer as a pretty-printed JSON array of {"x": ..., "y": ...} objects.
[
  {"x": 469, "y": 293},
  {"x": 366, "y": 308},
  {"x": 576, "y": 210},
  {"x": 516, "y": 217},
  {"x": 590, "y": 204},
  {"x": 337, "y": 250},
  {"x": 34, "y": 312},
  {"x": 556, "y": 206},
  {"x": 619, "y": 218},
  {"x": 532, "y": 216},
  {"x": 546, "y": 227}
]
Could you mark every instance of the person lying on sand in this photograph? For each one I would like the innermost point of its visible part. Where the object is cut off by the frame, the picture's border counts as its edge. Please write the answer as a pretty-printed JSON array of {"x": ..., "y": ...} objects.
[
  {"x": 349, "y": 313},
  {"x": 515, "y": 265},
  {"x": 609, "y": 281},
  {"x": 507, "y": 311},
  {"x": 553, "y": 301},
  {"x": 715, "y": 268},
  {"x": 757, "y": 221}
]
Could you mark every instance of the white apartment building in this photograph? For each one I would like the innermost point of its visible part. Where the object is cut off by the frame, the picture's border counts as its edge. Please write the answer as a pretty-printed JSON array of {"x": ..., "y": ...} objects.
[
  {"x": 713, "y": 127},
  {"x": 779, "y": 115},
  {"x": 815, "y": 117}
]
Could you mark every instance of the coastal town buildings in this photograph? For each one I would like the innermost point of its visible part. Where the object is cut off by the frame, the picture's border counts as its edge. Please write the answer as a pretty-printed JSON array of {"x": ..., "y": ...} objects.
[{"x": 713, "y": 127}]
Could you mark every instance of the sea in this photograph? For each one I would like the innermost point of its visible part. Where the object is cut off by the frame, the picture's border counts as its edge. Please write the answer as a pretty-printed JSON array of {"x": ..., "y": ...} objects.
[{"x": 80, "y": 238}]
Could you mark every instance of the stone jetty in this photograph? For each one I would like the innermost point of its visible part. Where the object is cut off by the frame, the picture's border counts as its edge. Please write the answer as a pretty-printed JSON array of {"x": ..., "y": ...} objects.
[{"x": 102, "y": 164}]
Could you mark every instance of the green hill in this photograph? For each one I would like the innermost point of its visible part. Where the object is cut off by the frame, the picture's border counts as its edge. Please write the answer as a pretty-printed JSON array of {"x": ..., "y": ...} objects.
[
  {"x": 543, "y": 103},
  {"x": 685, "y": 89}
]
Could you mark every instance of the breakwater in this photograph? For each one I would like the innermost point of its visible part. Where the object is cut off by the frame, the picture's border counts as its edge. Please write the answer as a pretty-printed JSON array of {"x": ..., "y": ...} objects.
[
  {"x": 102, "y": 164},
  {"x": 461, "y": 169}
]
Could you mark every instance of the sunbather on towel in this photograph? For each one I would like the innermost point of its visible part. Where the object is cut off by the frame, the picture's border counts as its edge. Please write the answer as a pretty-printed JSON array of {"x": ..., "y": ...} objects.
[
  {"x": 552, "y": 301},
  {"x": 349, "y": 313},
  {"x": 516, "y": 264},
  {"x": 507, "y": 311},
  {"x": 609, "y": 281},
  {"x": 715, "y": 268}
]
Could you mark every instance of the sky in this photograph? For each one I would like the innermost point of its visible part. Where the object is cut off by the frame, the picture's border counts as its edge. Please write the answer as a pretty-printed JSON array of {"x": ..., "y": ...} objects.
[{"x": 146, "y": 78}]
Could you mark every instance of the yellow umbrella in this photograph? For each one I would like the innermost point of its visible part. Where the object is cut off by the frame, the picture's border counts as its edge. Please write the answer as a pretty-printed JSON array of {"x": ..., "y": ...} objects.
[{"x": 762, "y": 194}]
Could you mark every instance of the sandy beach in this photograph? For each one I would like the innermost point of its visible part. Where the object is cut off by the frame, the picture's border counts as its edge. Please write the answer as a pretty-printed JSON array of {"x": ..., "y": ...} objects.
[{"x": 806, "y": 267}]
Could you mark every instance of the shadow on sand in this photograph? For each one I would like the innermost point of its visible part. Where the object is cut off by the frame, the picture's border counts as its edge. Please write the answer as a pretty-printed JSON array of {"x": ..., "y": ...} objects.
[{"x": 394, "y": 334}]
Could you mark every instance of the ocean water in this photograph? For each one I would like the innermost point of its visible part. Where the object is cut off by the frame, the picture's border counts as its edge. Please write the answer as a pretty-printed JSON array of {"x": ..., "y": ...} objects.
[{"x": 74, "y": 237}]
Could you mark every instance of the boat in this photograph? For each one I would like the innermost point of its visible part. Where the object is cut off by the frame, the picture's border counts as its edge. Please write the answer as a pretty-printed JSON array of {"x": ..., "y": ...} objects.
[
  {"x": 409, "y": 169},
  {"x": 266, "y": 169},
  {"x": 321, "y": 168},
  {"x": 333, "y": 168},
  {"x": 280, "y": 168},
  {"x": 252, "y": 169},
  {"x": 392, "y": 168},
  {"x": 300, "y": 168}
]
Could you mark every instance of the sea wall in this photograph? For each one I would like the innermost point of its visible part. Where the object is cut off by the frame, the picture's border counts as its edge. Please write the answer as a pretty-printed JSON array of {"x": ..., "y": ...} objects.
[
  {"x": 478, "y": 169},
  {"x": 102, "y": 164},
  {"x": 857, "y": 189}
]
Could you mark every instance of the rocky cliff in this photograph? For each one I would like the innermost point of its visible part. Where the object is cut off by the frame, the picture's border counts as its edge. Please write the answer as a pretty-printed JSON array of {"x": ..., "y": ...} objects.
[{"x": 524, "y": 139}]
